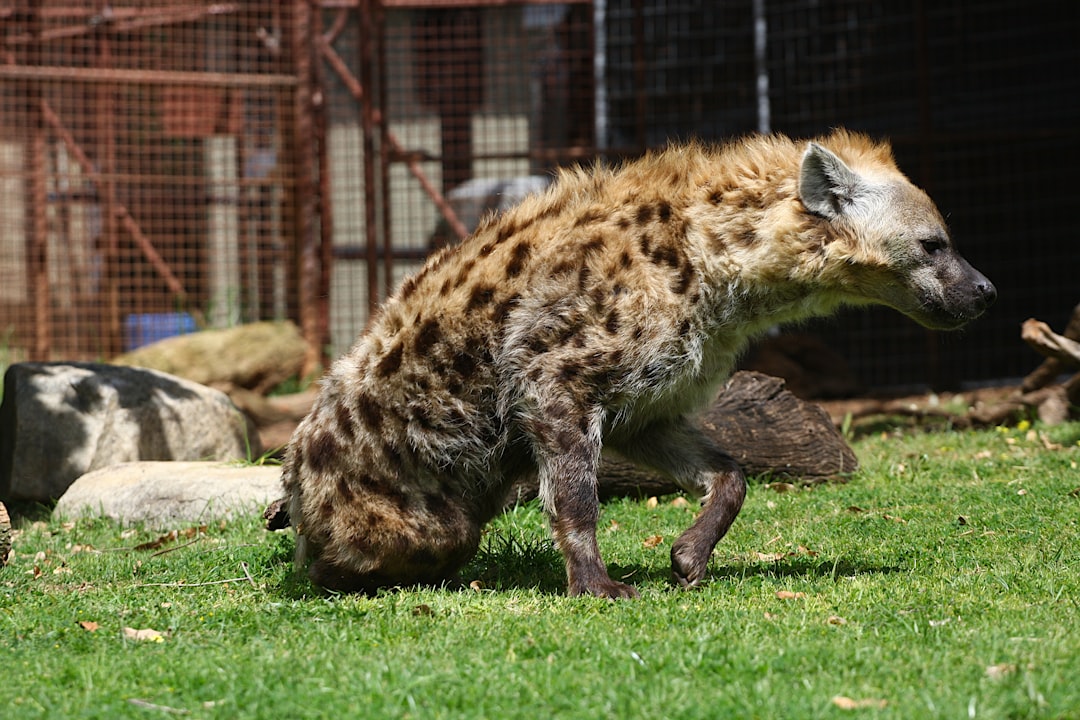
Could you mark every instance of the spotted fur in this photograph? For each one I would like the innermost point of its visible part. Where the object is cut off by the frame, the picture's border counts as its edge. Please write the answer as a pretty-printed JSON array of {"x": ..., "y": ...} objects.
[{"x": 599, "y": 315}]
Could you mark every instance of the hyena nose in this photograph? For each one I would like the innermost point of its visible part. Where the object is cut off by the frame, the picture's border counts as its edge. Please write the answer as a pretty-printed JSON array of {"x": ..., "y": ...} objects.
[{"x": 986, "y": 291}]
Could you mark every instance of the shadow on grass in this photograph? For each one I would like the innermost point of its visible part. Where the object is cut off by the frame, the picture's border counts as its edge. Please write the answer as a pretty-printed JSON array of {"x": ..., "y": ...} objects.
[
  {"x": 801, "y": 567},
  {"x": 505, "y": 562}
]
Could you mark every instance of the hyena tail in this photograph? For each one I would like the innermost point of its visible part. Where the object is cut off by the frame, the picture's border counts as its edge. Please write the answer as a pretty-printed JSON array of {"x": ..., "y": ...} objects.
[{"x": 294, "y": 504}]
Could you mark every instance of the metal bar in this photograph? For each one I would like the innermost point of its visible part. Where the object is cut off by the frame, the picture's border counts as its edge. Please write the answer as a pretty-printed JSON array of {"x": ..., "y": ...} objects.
[
  {"x": 325, "y": 196},
  {"x": 136, "y": 21},
  {"x": 384, "y": 158},
  {"x": 367, "y": 121},
  {"x": 305, "y": 201},
  {"x": 119, "y": 211},
  {"x": 105, "y": 127},
  {"x": 398, "y": 152},
  {"x": 37, "y": 255},
  {"x": 150, "y": 77}
]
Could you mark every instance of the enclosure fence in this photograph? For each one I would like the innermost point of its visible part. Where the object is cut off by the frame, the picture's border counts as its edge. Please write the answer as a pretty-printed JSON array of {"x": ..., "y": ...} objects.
[{"x": 167, "y": 166}]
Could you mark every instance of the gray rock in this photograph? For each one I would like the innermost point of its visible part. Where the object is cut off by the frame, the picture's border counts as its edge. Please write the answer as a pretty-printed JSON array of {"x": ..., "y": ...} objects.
[
  {"x": 162, "y": 494},
  {"x": 61, "y": 420}
]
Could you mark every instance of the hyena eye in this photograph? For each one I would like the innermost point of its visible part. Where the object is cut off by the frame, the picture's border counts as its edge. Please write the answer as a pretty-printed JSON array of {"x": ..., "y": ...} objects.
[{"x": 933, "y": 246}]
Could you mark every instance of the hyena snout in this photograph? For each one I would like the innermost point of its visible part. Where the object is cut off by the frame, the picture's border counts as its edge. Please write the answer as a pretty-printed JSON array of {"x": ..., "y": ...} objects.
[
  {"x": 965, "y": 295},
  {"x": 971, "y": 296}
]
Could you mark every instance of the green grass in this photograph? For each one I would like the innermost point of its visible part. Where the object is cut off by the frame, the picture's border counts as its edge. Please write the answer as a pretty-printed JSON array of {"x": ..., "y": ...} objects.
[{"x": 942, "y": 581}]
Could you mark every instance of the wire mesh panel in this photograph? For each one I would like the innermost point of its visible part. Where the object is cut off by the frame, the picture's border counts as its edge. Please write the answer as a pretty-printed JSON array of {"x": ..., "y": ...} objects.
[
  {"x": 144, "y": 165},
  {"x": 472, "y": 104}
]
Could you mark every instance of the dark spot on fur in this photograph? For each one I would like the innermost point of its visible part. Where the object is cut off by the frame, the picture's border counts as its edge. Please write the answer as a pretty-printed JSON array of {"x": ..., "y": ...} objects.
[
  {"x": 588, "y": 217},
  {"x": 422, "y": 417},
  {"x": 502, "y": 309},
  {"x": 682, "y": 283},
  {"x": 644, "y": 214},
  {"x": 408, "y": 287},
  {"x": 535, "y": 374},
  {"x": 446, "y": 287},
  {"x": 746, "y": 236},
  {"x": 623, "y": 223},
  {"x": 716, "y": 197},
  {"x": 463, "y": 274},
  {"x": 464, "y": 363},
  {"x": 562, "y": 267},
  {"x": 390, "y": 362},
  {"x": 345, "y": 422},
  {"x": 595, "y": 243},
  {"x": 507, "y": 230},
  {"x": 638, "y": 332},
  {"x": 663, "y": 211},
  {"x": 583, "y": 278},
  {"x": 611, "y": 324},
  {"x": 344, "y": 490},
  {"x": 427, "y": 336},
  {"x": 321, "y": 451},
  {"x": 518, "y": 256},
  {"x": 684, "y": 328},
  {"x": 554, "y": 208},
  {"x": 486, "y": 249},
  {"x": 625, "y": 261},
  {"x": 646, "y": 244},
  {"x": 568, "y": 372},
  {"x": 481, "y": 295},
  {"x": 537, "y": 345},
  {"x": 666, "y": 255},
  {"x": 393, "y": 457},
  {"x": 369, "y": 412}
]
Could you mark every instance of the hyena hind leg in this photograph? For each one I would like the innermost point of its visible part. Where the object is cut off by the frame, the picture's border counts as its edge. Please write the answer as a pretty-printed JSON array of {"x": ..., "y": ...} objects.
[{"x": 680, "y": 450}]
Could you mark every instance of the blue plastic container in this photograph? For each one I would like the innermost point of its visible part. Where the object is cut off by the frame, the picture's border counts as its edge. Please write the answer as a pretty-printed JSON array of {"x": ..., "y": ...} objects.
[{"x": 147, "y": 328}]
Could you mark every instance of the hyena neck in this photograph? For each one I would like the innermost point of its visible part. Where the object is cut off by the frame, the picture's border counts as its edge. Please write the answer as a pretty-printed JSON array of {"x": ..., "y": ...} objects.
[{"x": 769, "y": 263}]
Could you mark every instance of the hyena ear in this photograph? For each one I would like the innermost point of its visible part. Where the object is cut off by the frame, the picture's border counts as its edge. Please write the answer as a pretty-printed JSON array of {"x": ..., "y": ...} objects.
[{"x": 827, "y": 186}]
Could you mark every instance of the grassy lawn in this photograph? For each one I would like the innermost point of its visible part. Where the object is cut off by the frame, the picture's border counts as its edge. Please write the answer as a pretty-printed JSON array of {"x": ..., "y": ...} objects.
[{"x": 943, "y": 581}]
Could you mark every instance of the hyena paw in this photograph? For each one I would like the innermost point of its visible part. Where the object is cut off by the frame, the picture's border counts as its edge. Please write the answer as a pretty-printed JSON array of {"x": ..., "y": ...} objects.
[
  {"x": 605, "y": 588},
  {"x": 689, "y": 562}
]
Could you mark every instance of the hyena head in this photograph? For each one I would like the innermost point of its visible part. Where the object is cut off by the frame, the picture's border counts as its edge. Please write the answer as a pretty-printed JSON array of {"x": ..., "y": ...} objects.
[{"x": 892, "y": 247}]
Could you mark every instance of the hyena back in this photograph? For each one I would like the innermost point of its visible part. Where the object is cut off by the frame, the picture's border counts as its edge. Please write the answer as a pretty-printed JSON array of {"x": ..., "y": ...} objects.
[{"x": 600, "y": 314}]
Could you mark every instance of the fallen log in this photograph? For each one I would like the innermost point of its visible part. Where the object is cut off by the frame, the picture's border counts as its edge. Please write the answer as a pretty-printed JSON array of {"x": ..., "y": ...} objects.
[
  {"x": 1053, "y": 365},
  {"x": 5, "y": 535},
  {"x": 764, "y": 427}
]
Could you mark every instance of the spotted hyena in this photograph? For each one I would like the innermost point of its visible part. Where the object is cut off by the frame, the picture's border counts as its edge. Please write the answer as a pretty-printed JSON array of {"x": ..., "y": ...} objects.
[{"x": 599, "y": 315}]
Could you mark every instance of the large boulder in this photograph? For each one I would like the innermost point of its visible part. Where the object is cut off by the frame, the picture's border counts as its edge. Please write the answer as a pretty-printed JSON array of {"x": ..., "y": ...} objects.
[
  {"x": 162, "y": 494},
  {"x": 258, "y": 356},
  {"x": 61, "y": 420}
]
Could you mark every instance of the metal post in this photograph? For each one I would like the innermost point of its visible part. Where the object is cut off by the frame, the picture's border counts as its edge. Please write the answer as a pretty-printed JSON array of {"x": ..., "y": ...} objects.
[
  {"x": 305, "y": 203},
  {"x": 367, "y": 119}
]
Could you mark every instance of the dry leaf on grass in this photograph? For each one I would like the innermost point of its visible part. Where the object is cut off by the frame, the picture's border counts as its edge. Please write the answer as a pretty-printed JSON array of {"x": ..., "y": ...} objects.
[
  {"x": 172, "y": 536},
  {"x": 652, "y": 541},
  {"x": 144, "y": 635},
  {"x": 836, "y": 620},
  {"x": 652, "y": 502},
  {"x": 88, "y": 625},
  {"x": 999, "y": 671},
  {"x": 846, "y": 703},
  {"x": 788, "y": 595},
  {"x": 781, "y": 487}
]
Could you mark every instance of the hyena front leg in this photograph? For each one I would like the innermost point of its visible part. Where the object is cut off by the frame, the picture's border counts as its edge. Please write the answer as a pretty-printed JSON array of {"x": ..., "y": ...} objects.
[
  {"x": 567, "y": 449},
  {"x": 680, "y": 450}
]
